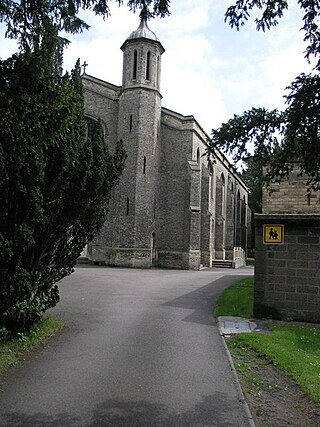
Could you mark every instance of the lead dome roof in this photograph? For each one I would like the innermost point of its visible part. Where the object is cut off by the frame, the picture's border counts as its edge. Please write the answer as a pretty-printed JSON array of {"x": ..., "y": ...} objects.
[{"x": 143, "y": 31}]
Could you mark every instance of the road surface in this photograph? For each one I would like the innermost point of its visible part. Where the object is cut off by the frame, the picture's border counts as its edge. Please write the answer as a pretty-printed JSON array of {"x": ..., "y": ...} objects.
[{"x": 140, "y": 348}]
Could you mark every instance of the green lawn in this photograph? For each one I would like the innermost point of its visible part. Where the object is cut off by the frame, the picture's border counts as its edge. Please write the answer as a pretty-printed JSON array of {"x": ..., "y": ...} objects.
[
  {"x": 292, "y": 347},
  {"x": 13, "y": 350},
  {"x": 237, "y": 300}
]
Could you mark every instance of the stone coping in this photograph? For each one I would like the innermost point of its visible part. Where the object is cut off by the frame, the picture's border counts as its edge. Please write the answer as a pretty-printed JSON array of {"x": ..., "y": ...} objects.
[{"x": 287, "y": 217}]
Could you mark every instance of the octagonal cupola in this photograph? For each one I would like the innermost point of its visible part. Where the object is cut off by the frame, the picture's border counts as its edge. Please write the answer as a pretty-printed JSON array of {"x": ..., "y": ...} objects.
[
  {"x": 142, "y": 58},
  {"x": 143, "y": 31}
]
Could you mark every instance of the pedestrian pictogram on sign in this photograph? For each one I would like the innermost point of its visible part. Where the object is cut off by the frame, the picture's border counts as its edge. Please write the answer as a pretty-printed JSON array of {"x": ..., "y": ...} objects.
[{"x": 273, "y": 234}]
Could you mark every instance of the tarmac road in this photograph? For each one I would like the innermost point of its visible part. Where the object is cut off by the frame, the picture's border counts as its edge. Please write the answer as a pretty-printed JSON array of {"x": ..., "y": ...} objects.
[{"x": 140, "y": 348}]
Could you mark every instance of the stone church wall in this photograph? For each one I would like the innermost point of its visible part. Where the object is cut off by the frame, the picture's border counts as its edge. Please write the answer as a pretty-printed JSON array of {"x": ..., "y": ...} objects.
[
  {"x": 174, "y": 200},
  {"x": 170, "y": 207},
  {"x": 102, "y": 101},
  {"x": 231, "y": 210}
]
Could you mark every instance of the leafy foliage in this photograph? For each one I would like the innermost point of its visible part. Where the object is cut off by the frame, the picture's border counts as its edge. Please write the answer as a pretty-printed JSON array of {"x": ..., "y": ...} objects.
[
  {"x": 257, "y": 126},
  {"x": 277, "y": 139},
  {"x": 252, "y": 176},
  {"x": 254, "y": 135},
  {"x": 303, "y": 127},
  {"x": 271, "y": 11},
  {"x": 26, "y": 20}
]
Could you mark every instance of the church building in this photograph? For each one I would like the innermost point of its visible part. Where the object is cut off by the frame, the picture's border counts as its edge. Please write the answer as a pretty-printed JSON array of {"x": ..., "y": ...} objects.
[{"x": 171, "y": 207}]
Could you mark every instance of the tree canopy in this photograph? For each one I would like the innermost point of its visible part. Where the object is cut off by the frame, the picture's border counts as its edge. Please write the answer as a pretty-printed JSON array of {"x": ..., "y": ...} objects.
[
  {"x": 275, "y": 138},
  {"x": 252, "y": 175},
  {"x": 27, "y": 21},
  {"x": 270, "y": 13}
]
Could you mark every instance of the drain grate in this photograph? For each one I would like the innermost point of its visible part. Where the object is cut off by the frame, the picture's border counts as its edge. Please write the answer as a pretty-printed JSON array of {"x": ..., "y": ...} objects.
[{"x": 241, "y": 326}]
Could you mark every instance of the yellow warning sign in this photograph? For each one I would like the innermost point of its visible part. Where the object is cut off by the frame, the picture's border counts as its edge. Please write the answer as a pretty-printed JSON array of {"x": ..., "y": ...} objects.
[{"x": 273, "y": 234}]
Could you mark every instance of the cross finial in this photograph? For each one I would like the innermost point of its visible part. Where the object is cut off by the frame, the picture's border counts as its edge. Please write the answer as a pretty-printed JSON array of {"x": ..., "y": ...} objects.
[
  {"x": 84, "y": 65},
  {"x": 144, "y": 13}
]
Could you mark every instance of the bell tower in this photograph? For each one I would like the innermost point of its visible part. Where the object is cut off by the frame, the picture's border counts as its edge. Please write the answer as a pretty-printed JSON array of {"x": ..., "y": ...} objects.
[
  {"x": 142, "y": 59},
  {"x": 139, "y": 128}
]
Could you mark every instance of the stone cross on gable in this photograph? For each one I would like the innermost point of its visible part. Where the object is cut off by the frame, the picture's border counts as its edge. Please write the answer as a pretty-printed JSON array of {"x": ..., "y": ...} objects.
[{"x": 84, "y": 65}]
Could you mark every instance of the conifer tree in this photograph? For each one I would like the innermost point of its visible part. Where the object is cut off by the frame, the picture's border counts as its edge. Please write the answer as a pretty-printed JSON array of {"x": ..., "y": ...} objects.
[
  {"x": 56, "y": 178},
  {"x": 54, "y": 183}
]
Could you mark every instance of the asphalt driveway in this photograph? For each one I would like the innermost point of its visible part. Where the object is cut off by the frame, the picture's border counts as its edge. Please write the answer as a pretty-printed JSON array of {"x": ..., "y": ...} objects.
[{"x": 140, "y": 348}]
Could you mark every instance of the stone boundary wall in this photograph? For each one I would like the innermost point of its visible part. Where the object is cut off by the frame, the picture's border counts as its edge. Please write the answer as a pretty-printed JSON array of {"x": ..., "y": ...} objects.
[{"x": 287, "y": 276}]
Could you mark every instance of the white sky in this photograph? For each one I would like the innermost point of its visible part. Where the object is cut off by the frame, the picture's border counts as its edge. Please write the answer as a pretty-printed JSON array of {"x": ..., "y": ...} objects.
[{"x": 208, "y": 69}]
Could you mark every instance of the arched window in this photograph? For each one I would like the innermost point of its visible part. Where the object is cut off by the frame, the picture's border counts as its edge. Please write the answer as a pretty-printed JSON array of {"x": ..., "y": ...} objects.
[
  {"x": 198, "y": 156},
  {"x": 212, "y": 183},
  {"x": 238, "y": 220},
  {"x": 158, "y": 70},
  {"x": 130, "y": 123},
  {"x": 135, "y": 64},
  {"x": 238, "y": 208},
  {"x": 144, "y": 165},
  {"x": 243, "y": 211},
  {"x": 153, "y": 249},
  {"x": 92, "y": 122},
  {"x": 223, "y": 194},
  {"x": 230, "y": 183},
  {"x": 148, "y": 66},
  {"x": 128, "y": 206}
]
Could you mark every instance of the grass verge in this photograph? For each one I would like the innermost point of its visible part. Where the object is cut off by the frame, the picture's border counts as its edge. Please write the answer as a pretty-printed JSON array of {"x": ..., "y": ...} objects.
[
  {"x": 294, "y": 348},
  {"x": 237, "y": 300},
  {"x": 246, "y": 362},
  {"x": 13, "y": 350}
]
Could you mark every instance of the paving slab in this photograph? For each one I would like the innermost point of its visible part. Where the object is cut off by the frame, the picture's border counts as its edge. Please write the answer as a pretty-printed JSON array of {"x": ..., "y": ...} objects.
[{"x": 229, "y": 325}]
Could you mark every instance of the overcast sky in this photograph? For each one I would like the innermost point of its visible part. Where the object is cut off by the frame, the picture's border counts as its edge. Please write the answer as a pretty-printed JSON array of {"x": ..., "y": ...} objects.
[{"x": 208, "y": 69}]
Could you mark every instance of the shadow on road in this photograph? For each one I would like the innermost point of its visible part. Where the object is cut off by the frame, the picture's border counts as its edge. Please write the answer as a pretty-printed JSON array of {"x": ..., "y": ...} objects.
[
  {"x": 202, "y": 300},
  {"x": 19, "y": 419},
  {"x": 145, "y": 414},
  {"x": 140, "y": 413}
]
